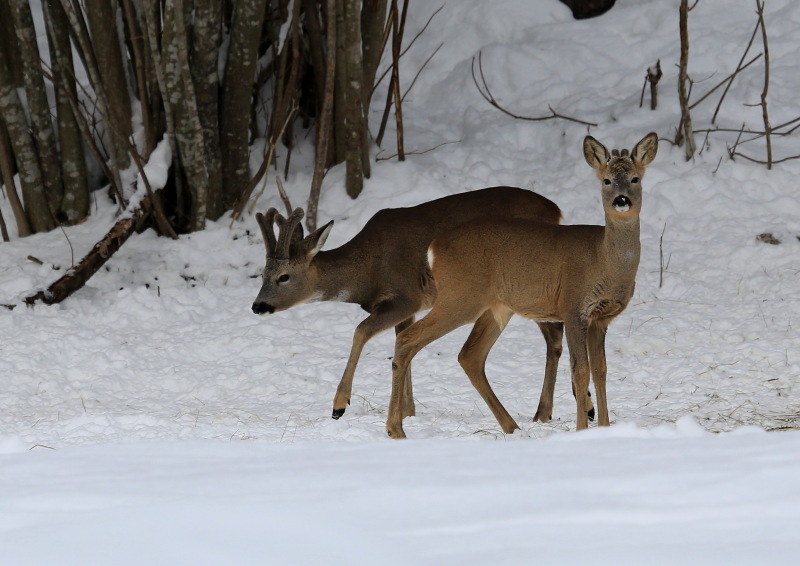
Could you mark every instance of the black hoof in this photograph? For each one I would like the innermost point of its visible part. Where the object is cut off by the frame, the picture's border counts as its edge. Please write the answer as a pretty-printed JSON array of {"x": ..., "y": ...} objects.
[
  {"x": 591, "y": 414},
  {"x": 339, "y": 412}
]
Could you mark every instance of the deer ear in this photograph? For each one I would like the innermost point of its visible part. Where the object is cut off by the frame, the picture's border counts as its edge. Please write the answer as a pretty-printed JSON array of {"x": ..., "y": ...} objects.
[
  {"x": 312, "y": 243},
  {"x": 646, "y": 149},
  {"x": 595, "y": 153}
]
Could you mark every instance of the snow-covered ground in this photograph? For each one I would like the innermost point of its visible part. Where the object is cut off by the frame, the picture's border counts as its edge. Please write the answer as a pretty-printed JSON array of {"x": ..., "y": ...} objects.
[{"x": 153, "y": 418}]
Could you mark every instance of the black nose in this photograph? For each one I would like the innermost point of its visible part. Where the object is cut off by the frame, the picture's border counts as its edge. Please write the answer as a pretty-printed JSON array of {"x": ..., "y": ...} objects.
[
  {"x": 262, "y": 308},
  {"x": 622, "y": 202}
]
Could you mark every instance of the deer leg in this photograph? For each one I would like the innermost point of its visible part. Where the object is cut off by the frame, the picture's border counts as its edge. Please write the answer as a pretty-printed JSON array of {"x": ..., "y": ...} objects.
[
  {"x": 579, "y": 363},
  {"x": 553, "y": 334},
  {"x": 473, "y": 360},
  {"x": 434, "y": 325},
  {"x": 385, "y": 315},
  {"x": 409, "y": 409},
  {"x": 597, "y": 360}
]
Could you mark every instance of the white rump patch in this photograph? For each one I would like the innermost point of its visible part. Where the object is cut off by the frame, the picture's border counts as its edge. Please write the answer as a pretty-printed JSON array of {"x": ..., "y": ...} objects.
[{"x": 430, "y": 257}]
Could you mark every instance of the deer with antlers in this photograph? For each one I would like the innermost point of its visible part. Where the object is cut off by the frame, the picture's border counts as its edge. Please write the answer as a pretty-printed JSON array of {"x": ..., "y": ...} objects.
[
  {"x": 581, "y": 276},
  {"x": 384, "y": 270}
]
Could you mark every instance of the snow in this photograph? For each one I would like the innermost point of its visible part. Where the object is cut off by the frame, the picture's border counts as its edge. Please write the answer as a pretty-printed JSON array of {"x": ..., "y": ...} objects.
[{"x": 153, "y": 418}]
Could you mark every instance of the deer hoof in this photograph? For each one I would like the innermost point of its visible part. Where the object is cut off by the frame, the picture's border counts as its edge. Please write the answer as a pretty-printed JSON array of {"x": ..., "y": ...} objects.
[{"x": 339, "y": 412}]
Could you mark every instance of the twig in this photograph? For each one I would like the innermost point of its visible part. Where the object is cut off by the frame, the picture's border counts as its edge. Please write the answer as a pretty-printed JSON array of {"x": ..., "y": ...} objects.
[
  {"x": 404, "y": 51},
  {"x": 270, "y": 154},
  {"x": 286, "y": 202},
  {"x": 419, "y": 72},
  {"x": 759, "y": 132},
  {"x": 489, "y": 97},
  {"x": 765, "y": 114},
  {"x": 420, "y": 152},
  {"x": 729, "y": 81},
  {"x": 747, "y": 49},
  {"x": 768, "y": 163},
  {"x": 661, "y": 258}
]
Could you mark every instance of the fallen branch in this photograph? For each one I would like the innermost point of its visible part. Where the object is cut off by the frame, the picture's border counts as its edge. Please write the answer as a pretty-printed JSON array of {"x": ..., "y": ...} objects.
[
  {"x": 489, "y": 97},
  {"x": 76, "y": 277}
]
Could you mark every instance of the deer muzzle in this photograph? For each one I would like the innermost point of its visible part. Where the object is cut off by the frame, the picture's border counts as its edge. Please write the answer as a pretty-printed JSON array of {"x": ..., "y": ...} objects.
[
  {"x": 622, "y": 203},
  {"x": 260, "y": 307}
]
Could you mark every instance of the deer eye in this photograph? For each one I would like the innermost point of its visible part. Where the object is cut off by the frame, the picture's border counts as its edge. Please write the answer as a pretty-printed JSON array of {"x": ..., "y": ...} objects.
[
  {"x": 606, "y": 181},
  {"x": 283, "y": 278},
  {"x": 635, "y": 180}
]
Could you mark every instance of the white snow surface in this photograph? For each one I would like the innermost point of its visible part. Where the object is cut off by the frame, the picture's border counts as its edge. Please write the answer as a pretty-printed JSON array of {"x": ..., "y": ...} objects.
[{"x": 152, "y": 418}]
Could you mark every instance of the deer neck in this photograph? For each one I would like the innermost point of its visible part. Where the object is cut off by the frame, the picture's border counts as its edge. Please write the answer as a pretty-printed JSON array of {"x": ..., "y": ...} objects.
[
  {"x": 621, "y": 244},
  {"x": 339, "y": 276}
]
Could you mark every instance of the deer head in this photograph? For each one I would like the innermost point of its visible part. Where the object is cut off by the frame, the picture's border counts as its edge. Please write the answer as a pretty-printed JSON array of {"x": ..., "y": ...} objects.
[
  {"x": 621, "y": 173},
  {"x": 289, "y": 277}
]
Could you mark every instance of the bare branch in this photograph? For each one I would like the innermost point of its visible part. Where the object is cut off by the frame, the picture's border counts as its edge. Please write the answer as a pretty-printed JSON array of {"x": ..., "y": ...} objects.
[
  {"x": 286, "y": 202},
  {"x": 419, "y": 152},
  {"x": 738, "y": 68},
  {"x": 489, "y": 97},
  {"x": 764, "y": 112},
  {"x": 685, "y": 130}
]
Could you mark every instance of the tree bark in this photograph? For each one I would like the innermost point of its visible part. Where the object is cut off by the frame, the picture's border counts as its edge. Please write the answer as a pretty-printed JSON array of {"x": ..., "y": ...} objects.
[
  {"x": 205, "y": 42},
  {"x": 354, "y": 109},
  {"x": 74, "y": 205},
  {"x": 9, "y": 45},
  {"x": 30, "y": 175},
  {"x": 38, "y": 106},
  {"x": 181, "y": 96},
  {"x": 324, "y": 120},
  {"x": 237, "y": 91},
  {"x": 102, "y": 19},
  {"x": 685, "y": 132},
  {"x": 7, "y": 172}
]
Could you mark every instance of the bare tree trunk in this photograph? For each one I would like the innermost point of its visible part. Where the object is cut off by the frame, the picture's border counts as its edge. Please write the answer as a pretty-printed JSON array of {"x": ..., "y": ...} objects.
[
  {"x": 140, "y": 64},
  {"x": 354, "y": 110},
  {"x": 206, "y": 41},
  {"x": 324, "y": 120},
  {"x": 86, "y": 51},
  {"x": 7, "y": 172},
  {"x": 339, "y": 105},
  {"x": 30, "y": 175},
  {"x": 237, "y": 91},
  {"x": 181, "y": 96},
  {"x": 102, "y": 20},
  {"x": 41, "y": 123},
  {"x": 9, "y": 45},
  {"x": 685, "y": 131},
  {"x": 74, "y": 205},
  {"x": 373, "y": 27}
]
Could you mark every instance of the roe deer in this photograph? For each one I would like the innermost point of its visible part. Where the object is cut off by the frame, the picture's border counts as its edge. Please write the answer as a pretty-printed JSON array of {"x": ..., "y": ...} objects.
[
  {"x": 583, "y": 276},
  {"x": 384, "y": 269}
]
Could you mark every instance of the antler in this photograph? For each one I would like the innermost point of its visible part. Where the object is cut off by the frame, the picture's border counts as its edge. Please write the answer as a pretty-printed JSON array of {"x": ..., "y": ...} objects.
[
  {"x": 265, "y": 221},
  {"x": 287, "y": 228}
]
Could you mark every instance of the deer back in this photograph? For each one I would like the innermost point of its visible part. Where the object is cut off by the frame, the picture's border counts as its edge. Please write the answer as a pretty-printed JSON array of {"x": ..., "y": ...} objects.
[{"x": 387, "y": 258}]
